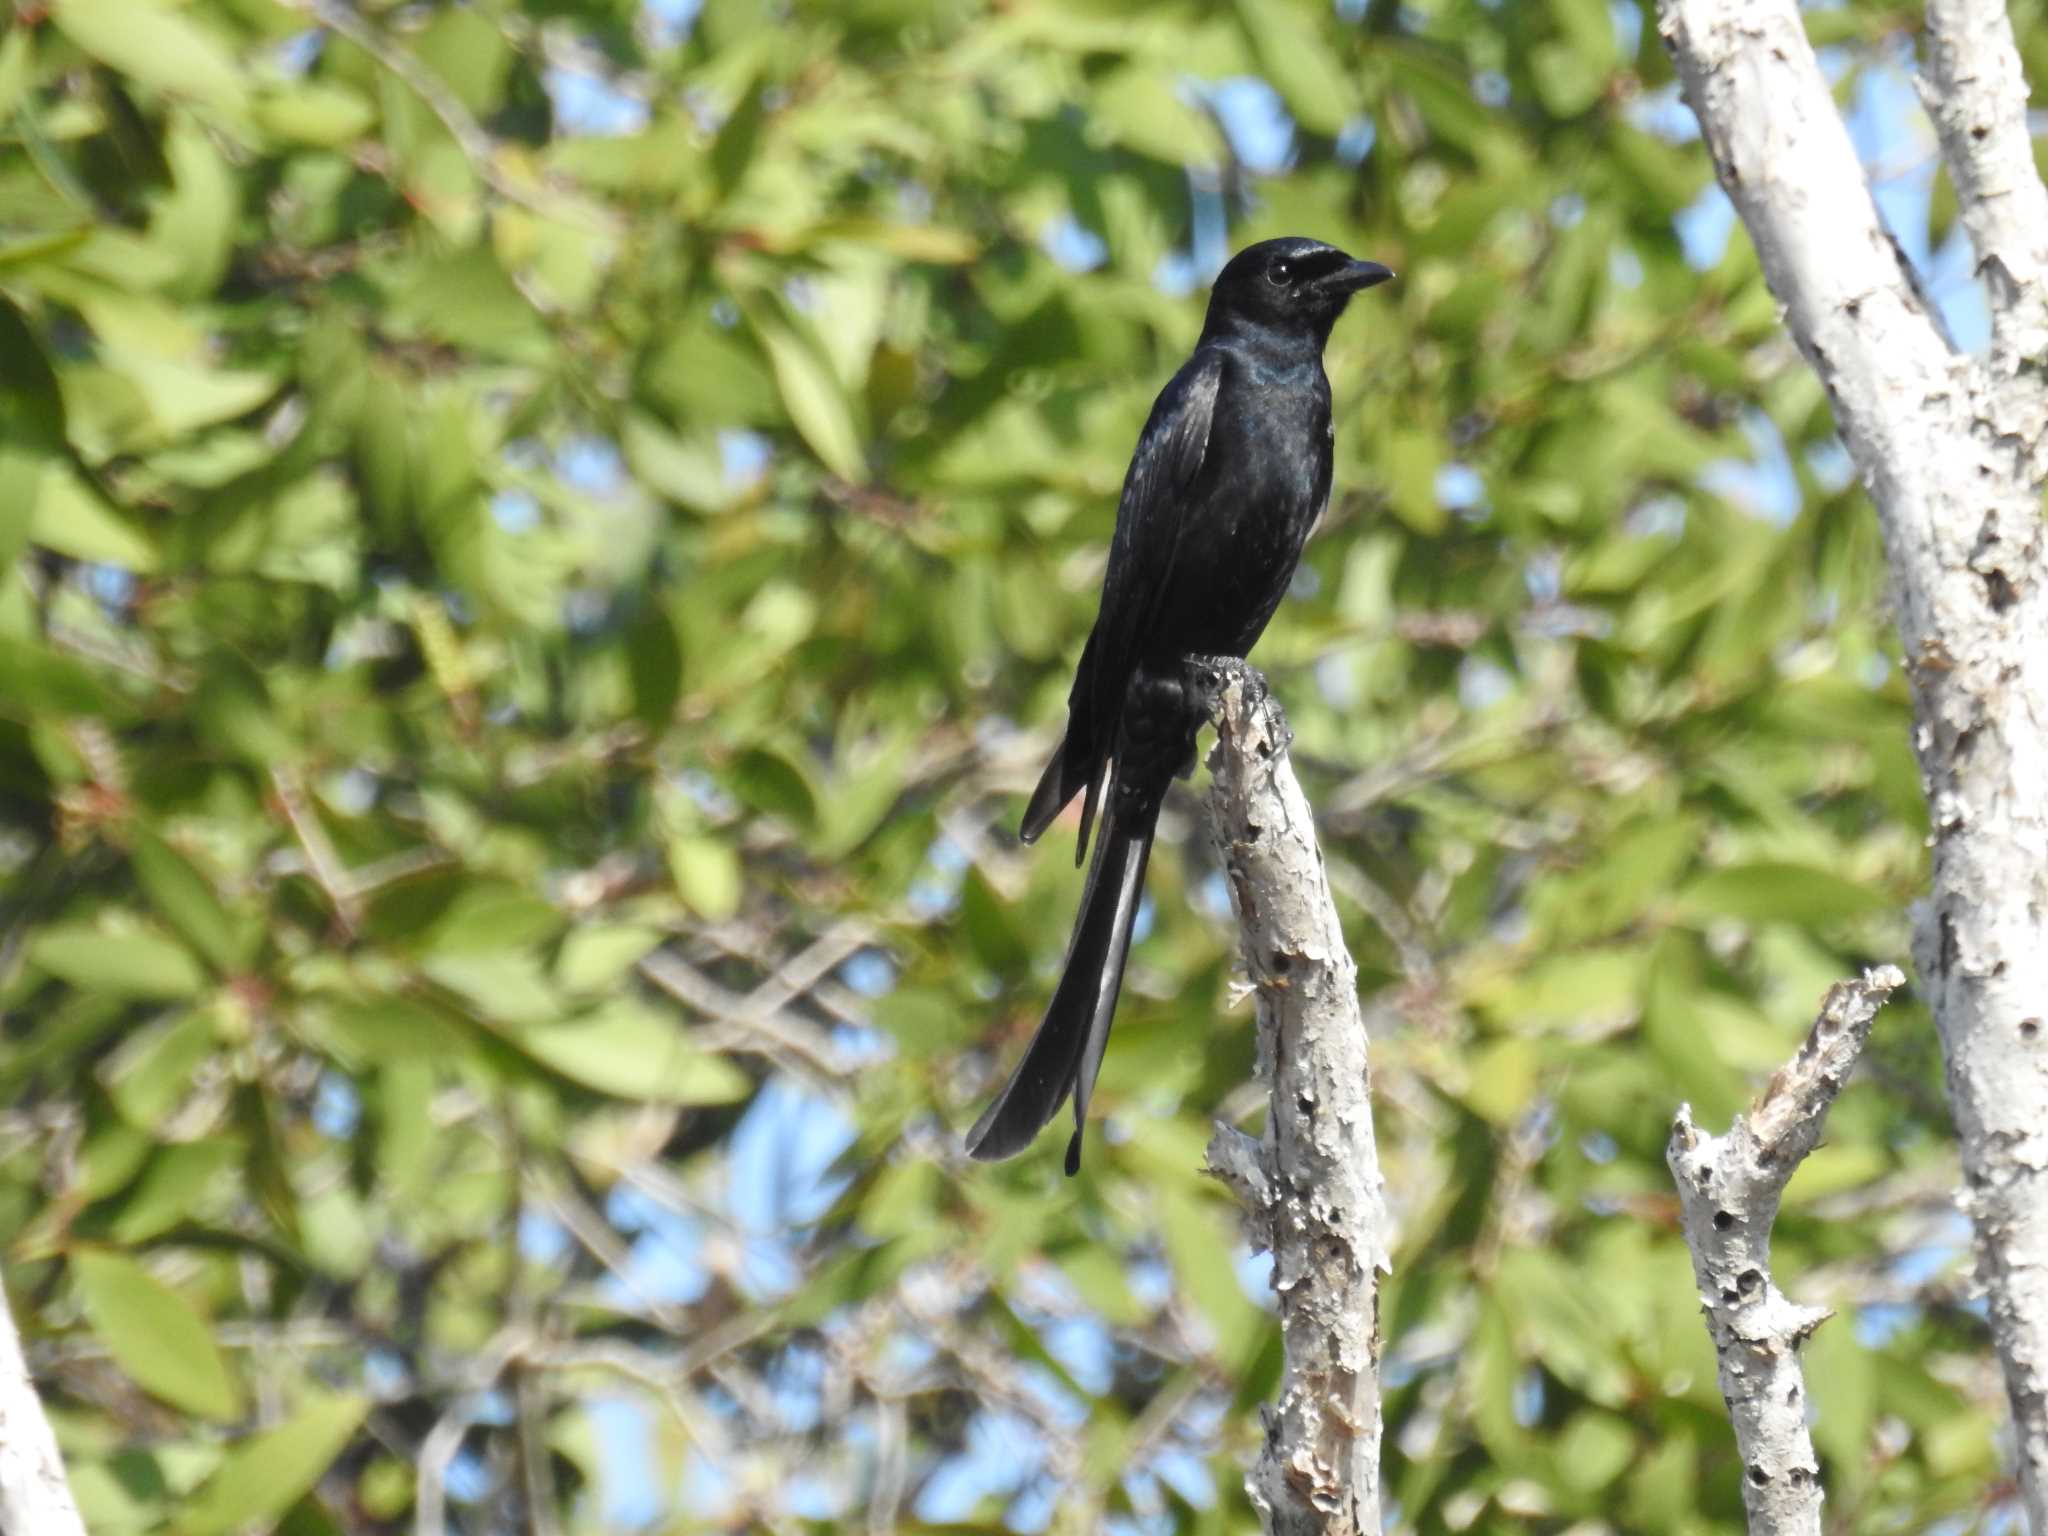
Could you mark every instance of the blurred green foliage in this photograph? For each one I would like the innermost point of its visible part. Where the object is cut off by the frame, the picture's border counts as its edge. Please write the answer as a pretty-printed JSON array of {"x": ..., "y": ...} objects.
[{"x": 540, "y": 543}]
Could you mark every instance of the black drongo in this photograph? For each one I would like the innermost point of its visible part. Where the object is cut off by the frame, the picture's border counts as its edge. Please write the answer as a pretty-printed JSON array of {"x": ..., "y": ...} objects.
[{"x": 1231, "y": 472}]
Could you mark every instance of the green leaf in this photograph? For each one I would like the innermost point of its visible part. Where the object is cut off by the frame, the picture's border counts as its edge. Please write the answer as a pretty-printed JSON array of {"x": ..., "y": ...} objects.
[
  {"x": 1833, "y": 1169},
  {"x": 1408, "y": 460},
  {"x": 489, "y": 915},
  {"x": 633, "y": 1052},
  {"x": 16, "y": 66},
  {"x": 266, "y": 1474},
  {"x": 31, "y": 404},
  {"x": 177, "y": 1180},
  {"x": 1788, "y": 893},
  {"x": 1567, "y": 81},
  {"x": 118, "y": 963},
  {"x": 505, "y": 986},
  {"x": 686, "y": 470},
  {"x": 1503, "y": 1080},
  {"x": 315, "y": 112},
  {"x": 1294, "y": 54},
  {"x": 152, "y": 1068},
  {"x": 654, "y": 660},
  {"x": 1594, "y": 1449},
  {"x": 774, "y": 784},
  {"x": 157, "y": 46},
  {"x": 707, "y": 875},
  {"x": 471, "y": 52},
  {"x": 1144, "y": 110},
  {"x": 1197, "y": 1245},
  {"x": 596, "y": 957},
  {"x": 197, "y": 222},
  {"x": 183, "y": 397},
  {"x": 155, "y": 1335},
  {"x": 467, "y": 301},
  {"x": 35, "y": 681},
  {"x": 72, "y": 518},
  {"x": 733, "y": 150},
  {"x": 381, "y": 1030},
  {"x": 817, "y": 402},
  {"x": 186, "y": 900}
]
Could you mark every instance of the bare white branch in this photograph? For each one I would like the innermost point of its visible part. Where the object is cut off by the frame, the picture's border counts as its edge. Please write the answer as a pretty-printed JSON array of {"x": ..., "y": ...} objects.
[
  {"x": 1977, "y": 96},
  {"x": 34, "y": 1493},
  {"x": 1785, "y": 160},
  {"x": 1312, "y": 1185},
  {"x": 1729, "y": 1188},
  {"x": 1952, "y": 451}
]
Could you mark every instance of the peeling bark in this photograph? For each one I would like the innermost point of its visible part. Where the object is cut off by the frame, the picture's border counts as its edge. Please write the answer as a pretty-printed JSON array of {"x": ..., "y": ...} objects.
[
  {"x": 1953, "y": 451},
  {"x": 1311, "y": 1185},
  {"x": 1728, "y": 1190}
]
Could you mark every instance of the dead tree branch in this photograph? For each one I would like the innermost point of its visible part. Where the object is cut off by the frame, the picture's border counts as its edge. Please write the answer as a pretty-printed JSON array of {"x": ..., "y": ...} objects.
[
  {"x": 1311, "y": 1186},
  {"x": 1729, "y": 1188}
]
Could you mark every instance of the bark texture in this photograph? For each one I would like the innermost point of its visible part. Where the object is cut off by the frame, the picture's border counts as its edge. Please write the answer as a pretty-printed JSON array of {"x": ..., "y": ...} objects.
[
  {"x": 1952, "y": 450},
  {"x": 1311, "y": 1186},
  {"x": 35, "y": 1496},
  {"x": 1728, "y": 1190}
]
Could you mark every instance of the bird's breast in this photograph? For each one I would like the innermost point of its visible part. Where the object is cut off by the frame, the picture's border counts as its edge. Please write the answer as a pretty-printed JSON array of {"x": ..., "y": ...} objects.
[{"x": 1266, "y": 476}]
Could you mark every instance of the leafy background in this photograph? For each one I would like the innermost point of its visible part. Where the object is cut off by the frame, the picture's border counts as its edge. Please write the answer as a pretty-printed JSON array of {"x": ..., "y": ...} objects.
[{"x": 540, "y": 543}]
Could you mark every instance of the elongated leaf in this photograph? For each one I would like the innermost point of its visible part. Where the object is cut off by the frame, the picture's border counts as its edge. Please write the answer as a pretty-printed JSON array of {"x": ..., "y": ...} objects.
[
  {"x": 817, "y": 403},
  {"x": 72, "y": 518},
  {"x": 634, "y": 1053},
  {"x": 155, "y": 1335},
  {"x": 1297, "y": 59},
  {"x": 186, "y": 900},
  {"x": 157, "y": 46},
  {"x": 266, "y": 1474},
  {"x": 707, "y": 875},
  {"x": 134, "y": 963}
]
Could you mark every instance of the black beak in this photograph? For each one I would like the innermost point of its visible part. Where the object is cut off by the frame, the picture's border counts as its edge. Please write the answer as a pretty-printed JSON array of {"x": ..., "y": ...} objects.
[{"x": 1355, "y": 276}]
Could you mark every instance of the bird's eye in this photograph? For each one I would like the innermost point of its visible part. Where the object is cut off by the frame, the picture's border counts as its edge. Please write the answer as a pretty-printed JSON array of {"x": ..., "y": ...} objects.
[{"x": 1280, "y": 274}]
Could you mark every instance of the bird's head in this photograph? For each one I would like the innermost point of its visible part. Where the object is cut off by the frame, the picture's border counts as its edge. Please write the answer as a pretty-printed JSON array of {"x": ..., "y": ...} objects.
[{"x": 1290, "y": 284}]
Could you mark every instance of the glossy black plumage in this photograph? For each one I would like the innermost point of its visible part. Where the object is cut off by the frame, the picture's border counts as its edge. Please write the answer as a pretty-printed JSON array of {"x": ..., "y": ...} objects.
[{"x": 1230, "y": 474}]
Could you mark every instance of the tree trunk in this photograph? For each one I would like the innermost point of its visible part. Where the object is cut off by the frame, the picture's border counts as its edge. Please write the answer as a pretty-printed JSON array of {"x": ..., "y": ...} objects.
[{"x": 1951, "y": 449}]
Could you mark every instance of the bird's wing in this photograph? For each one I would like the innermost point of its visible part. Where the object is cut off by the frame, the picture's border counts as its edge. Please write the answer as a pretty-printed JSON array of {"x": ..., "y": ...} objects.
[{"x": 1166, "y": 464}]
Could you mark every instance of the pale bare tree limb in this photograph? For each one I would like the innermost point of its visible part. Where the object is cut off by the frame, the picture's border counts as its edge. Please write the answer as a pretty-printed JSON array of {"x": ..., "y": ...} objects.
[
  {"x": 437, "y": 1452},
  {"x": 1311, "y": 1186},
  {"x": 1975, "y": 92},
  {"x": 35, "y": 1495},
  {"x": 1952, "y": 451},
  {"x": 1728, "y": 1189}
]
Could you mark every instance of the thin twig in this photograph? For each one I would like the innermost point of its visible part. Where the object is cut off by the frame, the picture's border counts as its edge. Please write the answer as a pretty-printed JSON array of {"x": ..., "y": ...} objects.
[
  {"x": 437, "y": 1451},
  {"x": 738, "y": 1024},
  {"x": 325, "y": 865}
]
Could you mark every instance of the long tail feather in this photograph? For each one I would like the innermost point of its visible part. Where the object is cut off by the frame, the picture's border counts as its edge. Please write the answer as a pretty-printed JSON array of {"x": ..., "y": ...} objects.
[
  {"x": 1056, "y": 786},
  {"x": 1066, "y": 1053}
]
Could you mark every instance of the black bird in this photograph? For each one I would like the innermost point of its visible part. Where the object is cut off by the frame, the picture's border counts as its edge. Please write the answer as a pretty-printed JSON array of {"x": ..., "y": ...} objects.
[{"x": 1231, "y": 472}]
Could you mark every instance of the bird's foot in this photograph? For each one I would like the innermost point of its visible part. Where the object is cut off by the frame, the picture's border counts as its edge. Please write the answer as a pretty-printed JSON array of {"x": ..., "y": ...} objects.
[{"x": 1209, "y": 676}]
